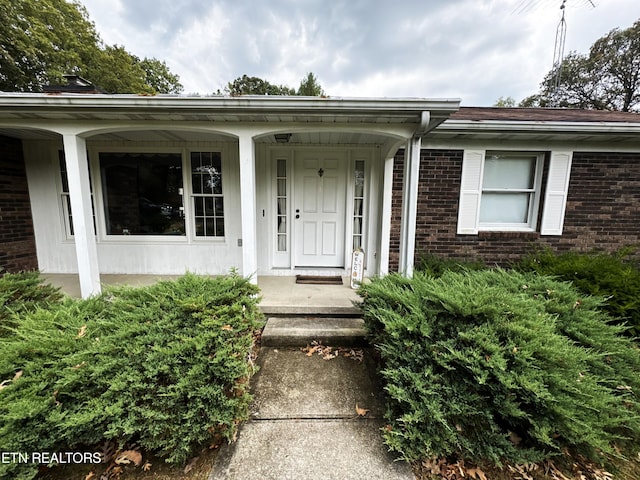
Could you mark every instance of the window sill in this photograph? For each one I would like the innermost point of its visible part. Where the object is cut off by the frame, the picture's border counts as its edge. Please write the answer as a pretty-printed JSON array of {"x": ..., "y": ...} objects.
[{"x": 501, "y": 235}]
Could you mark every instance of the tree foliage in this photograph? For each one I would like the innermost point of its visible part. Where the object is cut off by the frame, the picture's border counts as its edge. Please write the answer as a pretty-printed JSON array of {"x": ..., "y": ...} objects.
[
  {"x": 310, "y": 87},
  {"x": 245, "y": 85},
  {"x": 42, "y": 40},
  {"x": 608, "y": 78}
]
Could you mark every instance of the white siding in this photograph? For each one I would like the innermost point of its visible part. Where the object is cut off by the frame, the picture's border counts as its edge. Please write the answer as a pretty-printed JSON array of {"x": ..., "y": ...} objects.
[{"x": 131, "y": 255}]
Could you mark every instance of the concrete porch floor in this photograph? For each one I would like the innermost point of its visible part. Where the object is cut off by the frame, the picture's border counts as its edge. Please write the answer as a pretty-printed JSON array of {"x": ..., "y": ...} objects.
[{"x": 280, "y": 295}]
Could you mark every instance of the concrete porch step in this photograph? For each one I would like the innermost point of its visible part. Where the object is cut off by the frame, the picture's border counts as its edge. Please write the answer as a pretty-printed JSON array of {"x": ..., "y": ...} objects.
[{"x": 301, "y": 331}]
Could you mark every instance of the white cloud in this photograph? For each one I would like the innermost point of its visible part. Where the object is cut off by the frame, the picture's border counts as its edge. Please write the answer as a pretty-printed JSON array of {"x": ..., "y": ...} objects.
[{"x": 475, "y": 50}]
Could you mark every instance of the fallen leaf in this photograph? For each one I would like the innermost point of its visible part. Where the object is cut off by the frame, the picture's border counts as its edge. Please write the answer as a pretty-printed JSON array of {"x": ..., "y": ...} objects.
[
  {"x": 361, "y": 411},
  {"x": 146, "y": 467},
  {"x": 476, "y": 473},
  {"x": 82, "y": 332},
  {"x": 228, "y": 328},
  {"x": 311, "y": 350},
  {"x": 190, "y": 465},
  {"x": 90, "y": 476},
  {"x": 129, "y": 456}
]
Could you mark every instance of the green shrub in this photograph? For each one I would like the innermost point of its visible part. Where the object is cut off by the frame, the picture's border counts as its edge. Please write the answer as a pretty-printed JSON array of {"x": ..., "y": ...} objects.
[
  {"x": 612, "y": 276},
  {"x": 500, "y": 366},
  {"x": 436, "y": 266},
  {"x": 164, "y": 367},
  {"x": 23, "y": 292}
]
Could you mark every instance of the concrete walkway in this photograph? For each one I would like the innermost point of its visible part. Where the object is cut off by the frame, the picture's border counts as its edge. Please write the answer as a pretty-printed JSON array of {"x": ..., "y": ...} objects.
[{"x": 304, "y": 422}]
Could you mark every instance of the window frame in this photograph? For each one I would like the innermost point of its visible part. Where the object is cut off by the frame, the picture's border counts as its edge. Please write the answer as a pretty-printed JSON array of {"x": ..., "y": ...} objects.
[
  {"x": 535, "y": 193},
  {"x": 98, "y": 191},
  {"x": 190, "y": 207}
]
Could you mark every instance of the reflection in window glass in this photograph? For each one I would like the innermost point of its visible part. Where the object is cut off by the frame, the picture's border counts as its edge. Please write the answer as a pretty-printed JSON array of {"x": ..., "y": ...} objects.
[
  {"x": 142, "y": 193},
  {"x": 208, "y": 203},
  {"x": 508, "y": 188}
]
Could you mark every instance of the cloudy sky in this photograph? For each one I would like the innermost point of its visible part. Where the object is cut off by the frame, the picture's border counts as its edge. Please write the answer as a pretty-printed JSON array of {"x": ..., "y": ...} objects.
[{"x": 476, "y": 50}]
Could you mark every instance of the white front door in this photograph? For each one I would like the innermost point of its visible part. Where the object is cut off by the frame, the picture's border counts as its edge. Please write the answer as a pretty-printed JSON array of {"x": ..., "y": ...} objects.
[{"x": 319, "y": 202}]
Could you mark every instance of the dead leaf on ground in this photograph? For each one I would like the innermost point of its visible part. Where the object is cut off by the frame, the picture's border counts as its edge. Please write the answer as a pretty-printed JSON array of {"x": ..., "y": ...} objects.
[
  {"x": 190, "y": 466},
  {"x": 329, "y": 353},
  {"x": 227, "y": 328},
  {"x": 476, "y": 473},
  {"x": 129, "y": 456},
  {"x": 146, "y": 467},
  {"x": 361, "y": 411},
  {"x": 90, "y": 476}
]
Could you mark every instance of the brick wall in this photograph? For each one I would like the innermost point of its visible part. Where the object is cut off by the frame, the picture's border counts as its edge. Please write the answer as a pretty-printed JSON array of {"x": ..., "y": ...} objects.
[
  {"x": 17, "y": 242},
  {"x": 603, "y": 209}
]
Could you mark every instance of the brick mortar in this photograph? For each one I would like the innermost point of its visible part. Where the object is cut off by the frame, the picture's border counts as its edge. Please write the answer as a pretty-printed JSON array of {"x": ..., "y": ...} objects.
[
  {"x": 602, "y": 210},
  {"x": 17, "y": 241}
]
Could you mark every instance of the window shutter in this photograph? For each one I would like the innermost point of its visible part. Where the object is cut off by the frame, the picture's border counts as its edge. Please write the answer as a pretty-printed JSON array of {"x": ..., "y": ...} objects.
[
  {"x": 555, "y": 199},
  {"x": 470, "y": 192}
]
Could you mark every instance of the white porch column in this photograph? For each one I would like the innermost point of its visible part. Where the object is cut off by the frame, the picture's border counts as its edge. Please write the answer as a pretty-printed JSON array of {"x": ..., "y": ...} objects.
[
  {"x": 385, "y": 226},
  {"x": 248, "y": 206},
  {"x": 75, "y": 154},
  {"x": 409, "y": 206}
]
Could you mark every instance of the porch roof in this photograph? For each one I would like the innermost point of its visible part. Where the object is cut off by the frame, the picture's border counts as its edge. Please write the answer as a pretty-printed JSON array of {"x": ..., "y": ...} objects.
[{"x": 39, "y": 108}]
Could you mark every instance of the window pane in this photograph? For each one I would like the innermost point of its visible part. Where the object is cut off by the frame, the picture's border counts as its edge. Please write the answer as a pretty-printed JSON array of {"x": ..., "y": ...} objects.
[
  {"x": 357, "y": 242},
  {"x": 357, "y": 226},
  {"x": 282, "y": 243},
  {"x": 502, "y": 172},
  {"x": 209, "y": 227},
  {"x": 357, "y": 207},
  {"x": 142, "y": 193},
  {"x": 219, "y": 228},
  {"x": 206, "y": 172},
  {"x": 282, "y": 206},
  {"x": 282, "y": 188},
  {"x": 504, "y": 208},
  {"x": 208, "y": 206},
  {"x": 282, "y": 168},
  {"x": 200, "y": 227},
  {"x": 199, "y": 204},
  {"x": 219, "y": 211},
  {"x": 282, "y": 224}
]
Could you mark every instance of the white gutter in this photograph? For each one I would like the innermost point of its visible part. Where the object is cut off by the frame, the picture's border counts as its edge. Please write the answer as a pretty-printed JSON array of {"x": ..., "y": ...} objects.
[
  {"x": 488, "y": 126},
  {"x": 277, "y": 104}
]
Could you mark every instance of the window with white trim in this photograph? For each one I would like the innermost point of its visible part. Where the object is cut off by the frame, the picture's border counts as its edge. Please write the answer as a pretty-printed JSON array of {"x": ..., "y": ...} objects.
[
  {"x": 358, "y": 205},
  {"x": 281, "y": 203},
  {"x": 510, "y": 191},
  {"x": 66, "y": 199},
  {"x": 500, "y": 191},
  {"x": 208, "y": 202}
]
